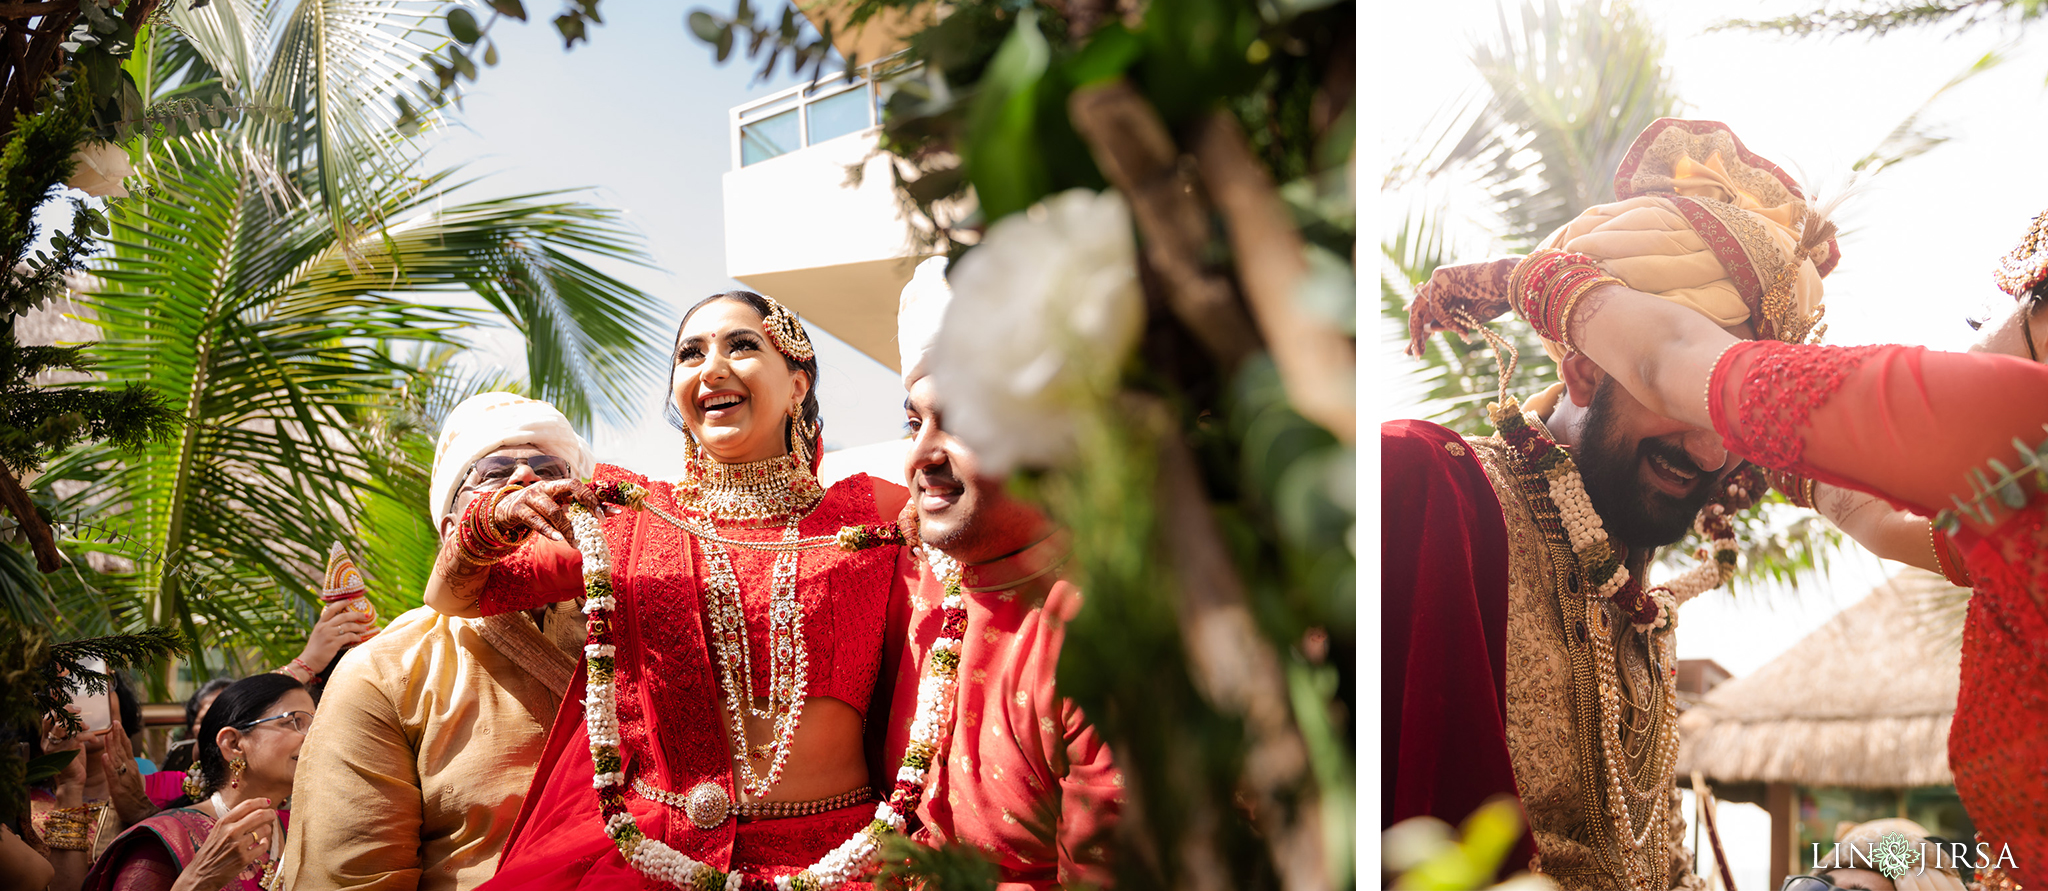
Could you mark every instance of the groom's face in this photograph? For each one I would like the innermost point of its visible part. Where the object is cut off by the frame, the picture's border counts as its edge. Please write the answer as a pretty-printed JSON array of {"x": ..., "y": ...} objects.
[{"x": 1647, "y": 475}]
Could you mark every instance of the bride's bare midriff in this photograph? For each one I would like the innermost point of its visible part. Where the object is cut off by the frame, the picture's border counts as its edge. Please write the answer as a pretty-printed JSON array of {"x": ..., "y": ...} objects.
[{"x": 825, "y": 759}]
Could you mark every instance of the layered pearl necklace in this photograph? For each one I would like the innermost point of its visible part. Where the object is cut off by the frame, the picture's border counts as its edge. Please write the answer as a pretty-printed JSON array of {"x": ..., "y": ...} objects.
[{"x": 655, "y": 859}]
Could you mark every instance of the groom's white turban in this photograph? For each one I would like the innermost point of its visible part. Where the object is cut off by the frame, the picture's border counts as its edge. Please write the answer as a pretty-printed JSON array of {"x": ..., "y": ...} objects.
[
  {"x": 487, "y": 422},
  {"x": 918, "y": 314}
]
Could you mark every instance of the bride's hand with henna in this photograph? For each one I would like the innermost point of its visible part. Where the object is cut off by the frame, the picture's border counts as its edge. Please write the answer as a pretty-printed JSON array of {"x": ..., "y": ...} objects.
[{"x": 543, "y": 508}]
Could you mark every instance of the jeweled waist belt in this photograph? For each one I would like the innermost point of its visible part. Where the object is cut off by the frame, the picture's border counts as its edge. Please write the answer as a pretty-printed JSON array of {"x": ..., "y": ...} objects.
[{"x": 707, "y": 804}]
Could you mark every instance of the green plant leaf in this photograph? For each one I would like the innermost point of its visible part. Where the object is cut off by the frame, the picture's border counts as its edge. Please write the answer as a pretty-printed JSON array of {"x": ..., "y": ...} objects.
[
  {"x": 707, "y": 27},
  {"x": 462, "y": 26},
  {"x": 49, "y": 764},
  {"x": 1001, "y": 153}
]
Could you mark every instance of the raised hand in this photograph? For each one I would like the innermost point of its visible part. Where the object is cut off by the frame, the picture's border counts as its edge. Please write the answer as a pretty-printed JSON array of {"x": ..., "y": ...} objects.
[
  {"x": 124, "y": 782},
  {"x": 543, "y": 508},
  {"x": 1456, "y": 298},
  {"x": 240, "y": 837},
  {"x": 337, "y": 627}
]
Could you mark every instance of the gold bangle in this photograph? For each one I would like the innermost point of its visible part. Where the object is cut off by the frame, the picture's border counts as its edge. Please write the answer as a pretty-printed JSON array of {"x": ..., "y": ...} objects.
[{"x": 1571, "y": 302}]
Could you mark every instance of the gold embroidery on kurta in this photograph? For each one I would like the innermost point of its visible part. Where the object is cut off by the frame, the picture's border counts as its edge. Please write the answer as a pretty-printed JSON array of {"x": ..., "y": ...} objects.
[{"x": 1540, "y": 723}]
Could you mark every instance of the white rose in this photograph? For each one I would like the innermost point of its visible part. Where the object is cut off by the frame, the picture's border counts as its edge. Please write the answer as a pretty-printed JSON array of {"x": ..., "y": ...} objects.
[
  {"x": 101, "y": 167},
  {"x": 1044, "y": 313}
]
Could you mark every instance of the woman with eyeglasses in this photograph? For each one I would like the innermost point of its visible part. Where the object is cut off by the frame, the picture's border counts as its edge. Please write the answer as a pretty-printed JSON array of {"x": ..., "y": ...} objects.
[{"x": 229, "y": 834}]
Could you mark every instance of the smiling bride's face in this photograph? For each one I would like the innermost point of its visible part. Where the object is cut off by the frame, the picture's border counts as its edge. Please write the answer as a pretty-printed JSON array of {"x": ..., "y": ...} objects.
[{"x": 734, "y": 391}]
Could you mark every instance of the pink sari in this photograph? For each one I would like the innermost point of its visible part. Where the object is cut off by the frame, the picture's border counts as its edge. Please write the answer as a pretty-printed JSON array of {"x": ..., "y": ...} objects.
[{"x": 151, "y": 854}]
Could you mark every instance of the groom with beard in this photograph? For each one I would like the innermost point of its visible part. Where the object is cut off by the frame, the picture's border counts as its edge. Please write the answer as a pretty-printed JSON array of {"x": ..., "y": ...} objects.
[
  {"x": 1475, "y": 675},
  {"x": 1518, "y": 659}
]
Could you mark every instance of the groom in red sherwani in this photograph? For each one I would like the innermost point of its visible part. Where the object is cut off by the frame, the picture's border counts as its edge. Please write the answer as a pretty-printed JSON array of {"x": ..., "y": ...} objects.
[{"x": 1025, "y": 779}]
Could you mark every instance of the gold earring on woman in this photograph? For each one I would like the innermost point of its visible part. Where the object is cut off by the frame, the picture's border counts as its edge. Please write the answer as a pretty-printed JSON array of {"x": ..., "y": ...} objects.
[
  {"x": 235, "y": 769},
  {"x": 799, "y": 436}
]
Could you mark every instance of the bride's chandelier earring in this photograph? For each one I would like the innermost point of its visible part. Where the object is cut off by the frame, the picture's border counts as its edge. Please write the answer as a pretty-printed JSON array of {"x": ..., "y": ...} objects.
[{"x": 799, "y": 436}]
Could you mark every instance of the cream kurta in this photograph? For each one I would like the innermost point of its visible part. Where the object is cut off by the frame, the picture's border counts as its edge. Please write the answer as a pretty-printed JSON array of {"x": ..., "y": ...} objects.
[
  {"x": 420, "y": 754},
  {"x": 1541, "y": 731}
]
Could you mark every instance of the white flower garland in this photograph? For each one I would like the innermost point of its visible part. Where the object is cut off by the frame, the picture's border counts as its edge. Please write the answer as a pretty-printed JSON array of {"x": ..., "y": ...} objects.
[{"x": 936, "y": 692}]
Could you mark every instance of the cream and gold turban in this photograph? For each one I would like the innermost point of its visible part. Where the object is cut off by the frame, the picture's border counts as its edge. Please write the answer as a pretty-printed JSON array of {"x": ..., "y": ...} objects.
[
  {"x": 1697, "y": 219},
  {"x": 487, "y": 422}
]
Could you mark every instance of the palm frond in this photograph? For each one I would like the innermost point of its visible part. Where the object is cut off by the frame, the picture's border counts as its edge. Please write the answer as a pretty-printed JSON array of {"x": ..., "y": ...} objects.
[{"x": 335, "y": 68}]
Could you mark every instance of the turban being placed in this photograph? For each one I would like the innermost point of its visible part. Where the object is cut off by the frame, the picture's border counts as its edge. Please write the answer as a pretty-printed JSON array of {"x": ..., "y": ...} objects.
[
  {"x": 2026, "y": 267},
  {"x": 1698, "y": 220},
  {"x": 487, "y": 422},
  {"x": 918, "y": 314}
]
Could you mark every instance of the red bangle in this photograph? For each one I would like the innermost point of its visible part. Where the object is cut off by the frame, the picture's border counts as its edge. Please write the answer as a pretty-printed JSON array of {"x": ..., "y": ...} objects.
[
  {"x": 478, "y": 540},
  {"x": 1548, "y": 284},
  {"x": 1951, "y": 569}
]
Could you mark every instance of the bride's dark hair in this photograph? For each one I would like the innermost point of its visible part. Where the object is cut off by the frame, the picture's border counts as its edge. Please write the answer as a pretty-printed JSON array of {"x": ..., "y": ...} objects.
[{"x": 761, "y": 308}]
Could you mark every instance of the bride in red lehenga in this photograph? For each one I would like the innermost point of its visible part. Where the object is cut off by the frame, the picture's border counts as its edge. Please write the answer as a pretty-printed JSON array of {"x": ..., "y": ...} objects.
[
  {"x": 1959, "y": 437},
  {"x": 746, "y": 642}
]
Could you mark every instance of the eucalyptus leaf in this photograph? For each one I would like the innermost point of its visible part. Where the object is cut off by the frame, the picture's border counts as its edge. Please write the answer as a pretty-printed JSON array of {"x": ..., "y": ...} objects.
[
  {"x": 491, "y": 54},
  {"x": 511, "y": 9},
  {"x": 571, "y": 27},
  {"x": 707, "y": 27},
  {"x": 462, "y": 26}
]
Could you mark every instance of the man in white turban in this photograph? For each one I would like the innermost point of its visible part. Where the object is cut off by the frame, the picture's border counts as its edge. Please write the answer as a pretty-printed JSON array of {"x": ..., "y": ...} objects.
[
  {"x": 419, "y": 758},
  {"x": 1026, "y": 779}
]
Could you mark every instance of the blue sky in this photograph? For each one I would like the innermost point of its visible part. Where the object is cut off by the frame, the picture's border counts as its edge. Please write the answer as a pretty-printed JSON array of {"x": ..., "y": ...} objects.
[{"x": 636, "y": 118}]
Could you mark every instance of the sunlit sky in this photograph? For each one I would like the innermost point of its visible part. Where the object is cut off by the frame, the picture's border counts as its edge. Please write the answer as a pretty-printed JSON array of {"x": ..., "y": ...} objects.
[
  {"x": 1920, "y": 241},
  {"x": 637, "y": 118}
]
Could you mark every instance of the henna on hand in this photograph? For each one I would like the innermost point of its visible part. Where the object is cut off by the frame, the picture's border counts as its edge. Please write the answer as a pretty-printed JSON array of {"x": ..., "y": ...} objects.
[{"x": 1458, "y": 298}]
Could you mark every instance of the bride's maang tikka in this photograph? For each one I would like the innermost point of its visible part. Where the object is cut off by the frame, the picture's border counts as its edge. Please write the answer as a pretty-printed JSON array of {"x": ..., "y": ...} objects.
[{"x": 789, "y": 335}]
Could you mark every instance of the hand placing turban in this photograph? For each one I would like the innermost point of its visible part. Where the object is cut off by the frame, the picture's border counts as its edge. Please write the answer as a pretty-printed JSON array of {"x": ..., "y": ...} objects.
[
  {"x": 487, "y": 422},
  {"x": 1698, "y": 220}
]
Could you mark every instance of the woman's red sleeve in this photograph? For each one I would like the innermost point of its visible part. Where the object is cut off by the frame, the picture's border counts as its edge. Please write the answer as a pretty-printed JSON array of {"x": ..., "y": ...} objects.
[
  {"x": 539, "y": 573},
  {"x": 1905, "y": 423}
]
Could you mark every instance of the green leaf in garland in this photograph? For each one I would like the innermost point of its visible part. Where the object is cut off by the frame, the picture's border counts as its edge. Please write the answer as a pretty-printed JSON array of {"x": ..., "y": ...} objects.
[{"x": 1001, "y": 153}]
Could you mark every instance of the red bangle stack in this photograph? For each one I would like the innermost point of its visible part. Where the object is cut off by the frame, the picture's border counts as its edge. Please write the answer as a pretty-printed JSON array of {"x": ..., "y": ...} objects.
[
  {"x": 478, "y": 539},
  {"x": 1951, "y": 567},
  {"x": 1546, "y": 286}
]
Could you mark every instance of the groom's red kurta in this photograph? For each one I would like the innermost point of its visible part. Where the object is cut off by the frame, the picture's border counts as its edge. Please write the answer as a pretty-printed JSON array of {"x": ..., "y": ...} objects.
[{"x": 1443, "y": 614}]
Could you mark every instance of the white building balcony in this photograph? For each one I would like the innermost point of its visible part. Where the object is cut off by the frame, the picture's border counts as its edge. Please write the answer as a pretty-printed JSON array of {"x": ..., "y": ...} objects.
[{"x": 796, "y": 229}]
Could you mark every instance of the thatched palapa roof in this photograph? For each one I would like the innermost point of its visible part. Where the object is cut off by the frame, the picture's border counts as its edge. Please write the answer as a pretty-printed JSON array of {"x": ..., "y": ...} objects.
[{"x": 1864, "y": 701}]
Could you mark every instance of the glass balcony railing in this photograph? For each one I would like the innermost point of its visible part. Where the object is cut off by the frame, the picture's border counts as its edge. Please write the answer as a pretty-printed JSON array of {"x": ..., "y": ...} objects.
[{"x": 807, "y": 115}]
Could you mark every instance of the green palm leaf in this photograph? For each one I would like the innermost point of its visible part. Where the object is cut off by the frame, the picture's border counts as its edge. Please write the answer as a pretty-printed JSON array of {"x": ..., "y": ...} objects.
[{"x": 274, "y": 340}]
